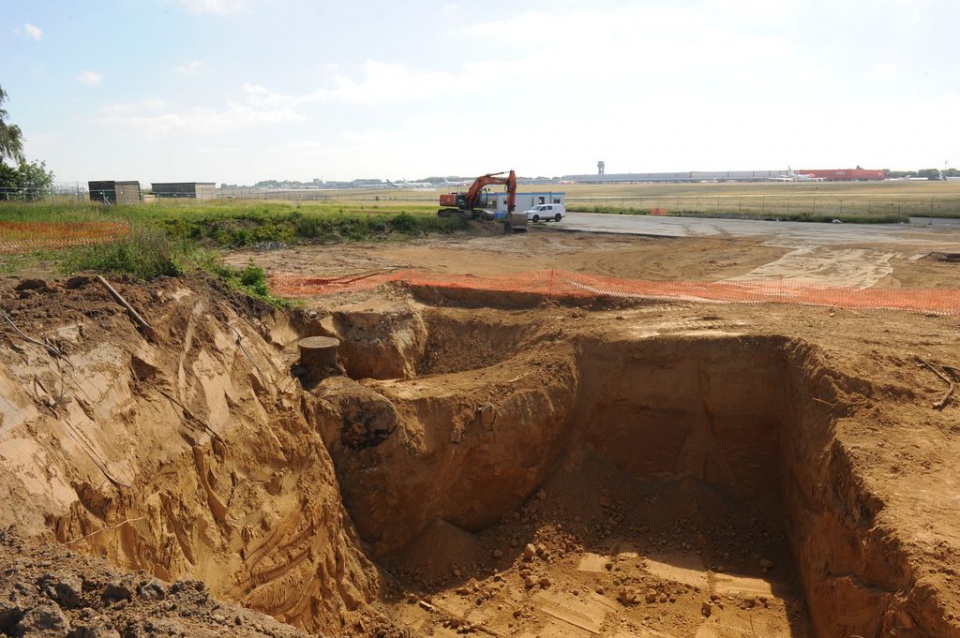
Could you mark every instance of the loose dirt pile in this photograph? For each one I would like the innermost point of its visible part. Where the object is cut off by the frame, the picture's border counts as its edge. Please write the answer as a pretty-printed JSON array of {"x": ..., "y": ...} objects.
[{"x": 521, "y": 467}]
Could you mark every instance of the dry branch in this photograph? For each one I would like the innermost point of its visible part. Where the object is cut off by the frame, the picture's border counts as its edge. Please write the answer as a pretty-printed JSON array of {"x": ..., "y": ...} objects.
[
  {"x": 942, "y": 401},
  {"x": 46, "y": 345},
  {"x": 147, "y": 328},
  {"x": 247, "y": 355},
  {"x": 103, "y": 529}
]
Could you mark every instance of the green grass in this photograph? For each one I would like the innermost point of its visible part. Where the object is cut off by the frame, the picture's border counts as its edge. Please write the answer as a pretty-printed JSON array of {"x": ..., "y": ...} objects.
[
  {"x": 240, "y": 224},
  {"x": 38, "y": 259},
  {"x": 251, "y": 279},
  {"x": 146, "y": 253},
  {"x": 608, "y": 210},
  {"x": 256, "y": 226},
  {"x": 847, "y": 218},
  {"x": 173, "y": 240}
]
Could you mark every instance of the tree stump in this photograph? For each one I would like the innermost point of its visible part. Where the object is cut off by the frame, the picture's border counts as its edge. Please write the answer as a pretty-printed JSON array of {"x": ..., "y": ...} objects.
[{"x": 318, "y": 357}]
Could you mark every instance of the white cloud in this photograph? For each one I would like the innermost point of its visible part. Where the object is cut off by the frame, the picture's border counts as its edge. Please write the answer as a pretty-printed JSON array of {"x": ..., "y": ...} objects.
[
  {"x": 216, "y": 7},
  {"x": 33, "y": 31},
  {"x": 154, "y": 118},
  {"x": 629, "y": 42},
  {"x": 384, "y": 82},
  {"x": 190, "y": 67},
  {"x": 90, "y": 78},
  {"x": 208, "y": 120},
  {"x": 885, "y": 69},
  {"x": 124, "y": 109}
]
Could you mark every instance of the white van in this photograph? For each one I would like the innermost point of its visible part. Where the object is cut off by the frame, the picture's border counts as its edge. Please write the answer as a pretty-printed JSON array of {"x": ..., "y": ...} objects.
[{"x": 556, "y": 212}]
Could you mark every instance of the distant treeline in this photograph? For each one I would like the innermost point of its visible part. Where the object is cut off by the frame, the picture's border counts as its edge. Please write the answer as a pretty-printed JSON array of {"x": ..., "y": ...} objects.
[{"x": 929, "y": 173}]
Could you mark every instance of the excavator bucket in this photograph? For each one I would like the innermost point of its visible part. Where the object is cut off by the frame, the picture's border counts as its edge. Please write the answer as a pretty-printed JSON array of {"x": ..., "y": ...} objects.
[{"x": 515, "y": 223}]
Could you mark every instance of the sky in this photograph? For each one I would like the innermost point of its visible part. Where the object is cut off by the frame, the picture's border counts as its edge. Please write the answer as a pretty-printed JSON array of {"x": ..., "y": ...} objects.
[{"x": 238, "y": 91}]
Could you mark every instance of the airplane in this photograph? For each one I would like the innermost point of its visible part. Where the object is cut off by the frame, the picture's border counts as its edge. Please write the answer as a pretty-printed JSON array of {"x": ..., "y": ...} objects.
[
  {"x": 420, "y": 186},
  {"x": 790, "y": 176}
]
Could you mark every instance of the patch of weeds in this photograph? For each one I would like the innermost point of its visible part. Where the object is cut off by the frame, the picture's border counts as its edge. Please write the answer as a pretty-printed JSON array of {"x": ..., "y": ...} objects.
[
  {"x": 608, "y": 210},
  {"x": 251, "y": 227},
  {"x": 146, "y": 253},
  {"x": 251, "y": 280}
]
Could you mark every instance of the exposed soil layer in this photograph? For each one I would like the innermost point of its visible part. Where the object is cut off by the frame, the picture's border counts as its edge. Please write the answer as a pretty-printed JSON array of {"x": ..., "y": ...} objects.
[{"x": 498, "y": 465}]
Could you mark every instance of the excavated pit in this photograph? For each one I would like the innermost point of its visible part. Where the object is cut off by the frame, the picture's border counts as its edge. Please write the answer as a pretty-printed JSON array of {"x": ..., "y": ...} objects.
[
  {"x": 539, "y": 472},
  {"x": 691, "y": 472}
]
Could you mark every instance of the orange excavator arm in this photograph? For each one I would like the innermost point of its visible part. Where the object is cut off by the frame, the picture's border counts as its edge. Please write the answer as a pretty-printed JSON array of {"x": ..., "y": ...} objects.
[
  {"x": 471, "y": 205},
  {"x": 472, "y": 198},
  {"x": 510, "y": 182}
]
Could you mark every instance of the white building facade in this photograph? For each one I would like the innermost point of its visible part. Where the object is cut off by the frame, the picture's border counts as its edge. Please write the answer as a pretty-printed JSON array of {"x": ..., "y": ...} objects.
[{"x": 498, "y": 200}]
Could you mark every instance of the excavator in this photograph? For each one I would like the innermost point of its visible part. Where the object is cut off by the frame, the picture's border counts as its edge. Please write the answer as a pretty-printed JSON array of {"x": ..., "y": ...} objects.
[{"x": 473, "y": 204}]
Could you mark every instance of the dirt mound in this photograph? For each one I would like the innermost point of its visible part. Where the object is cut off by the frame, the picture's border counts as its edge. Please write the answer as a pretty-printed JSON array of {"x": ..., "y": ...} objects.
[{"x": 51, "y": 591}]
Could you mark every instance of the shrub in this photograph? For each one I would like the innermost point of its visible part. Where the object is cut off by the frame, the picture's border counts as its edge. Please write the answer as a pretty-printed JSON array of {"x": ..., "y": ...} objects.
[{"x": 253, "y": 279}]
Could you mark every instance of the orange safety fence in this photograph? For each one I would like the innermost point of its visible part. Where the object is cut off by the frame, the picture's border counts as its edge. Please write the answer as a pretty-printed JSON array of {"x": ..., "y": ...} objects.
[
  {"x": 22, "y": 237},
  {"x": 559, "y": 283}
]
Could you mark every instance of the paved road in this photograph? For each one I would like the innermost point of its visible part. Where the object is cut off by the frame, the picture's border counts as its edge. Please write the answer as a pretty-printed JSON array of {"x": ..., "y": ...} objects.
[{"x": 939, "y": 234}]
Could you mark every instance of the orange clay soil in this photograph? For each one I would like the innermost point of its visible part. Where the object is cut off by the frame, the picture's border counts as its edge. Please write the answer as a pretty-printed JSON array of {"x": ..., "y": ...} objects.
[{"x": 505, "y": 466}]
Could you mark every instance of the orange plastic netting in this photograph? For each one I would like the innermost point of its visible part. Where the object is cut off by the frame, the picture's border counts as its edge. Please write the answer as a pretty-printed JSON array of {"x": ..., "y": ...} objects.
[
  {"x": 558, "y": 283},
  {"x": 21, "y": 237}
]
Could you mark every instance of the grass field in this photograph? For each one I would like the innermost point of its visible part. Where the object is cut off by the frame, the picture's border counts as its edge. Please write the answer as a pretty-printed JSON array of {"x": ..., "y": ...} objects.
[
  {"x": 167, "y": 239},
  {"x": 353, "y": 214},
  {"x": 813, "y": 201},
  {"x": 238, "y": 223},
  {"x": 178, "y": 229},
  {"x": 864, "y": 202}
]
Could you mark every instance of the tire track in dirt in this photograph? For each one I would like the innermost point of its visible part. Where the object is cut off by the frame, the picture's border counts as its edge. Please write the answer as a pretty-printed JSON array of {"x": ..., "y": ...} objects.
[{"x": 847, "y": 267}]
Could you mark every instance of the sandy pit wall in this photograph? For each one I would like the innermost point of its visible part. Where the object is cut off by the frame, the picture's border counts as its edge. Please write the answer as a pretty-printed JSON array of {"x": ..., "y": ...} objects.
[
  {"x": 186, "y": 455},
  {"x": 754, "y": 418}
]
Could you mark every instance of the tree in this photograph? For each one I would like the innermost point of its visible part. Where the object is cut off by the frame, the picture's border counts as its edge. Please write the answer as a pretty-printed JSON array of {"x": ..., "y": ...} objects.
[
  {"x": 11, "y": 139},
  {"x": 931, "y": 174},
  {"x": 28, "y": 181},
  {"x": 35, "y": 179}
]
